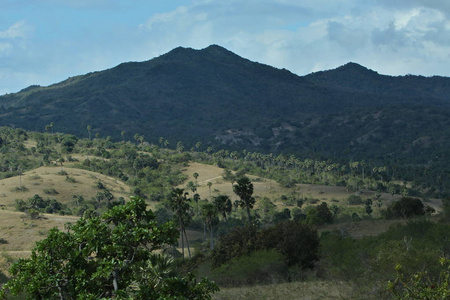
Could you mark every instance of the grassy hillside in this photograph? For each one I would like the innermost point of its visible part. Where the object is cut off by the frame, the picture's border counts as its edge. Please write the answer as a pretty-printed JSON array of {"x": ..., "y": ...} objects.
[{"x": 361, "y": 217}]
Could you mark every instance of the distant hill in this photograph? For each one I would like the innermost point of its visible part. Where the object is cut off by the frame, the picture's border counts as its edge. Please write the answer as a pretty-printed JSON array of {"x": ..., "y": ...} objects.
[{"x": 221, "y": 99}]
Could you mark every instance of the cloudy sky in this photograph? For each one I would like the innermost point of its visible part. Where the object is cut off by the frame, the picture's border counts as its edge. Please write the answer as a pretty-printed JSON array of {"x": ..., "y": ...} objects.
[{"x": 46, "y": 41}]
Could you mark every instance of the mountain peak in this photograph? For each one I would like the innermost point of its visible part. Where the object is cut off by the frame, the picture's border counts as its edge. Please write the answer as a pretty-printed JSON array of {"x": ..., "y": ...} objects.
[{"x": 354, "y": 67}]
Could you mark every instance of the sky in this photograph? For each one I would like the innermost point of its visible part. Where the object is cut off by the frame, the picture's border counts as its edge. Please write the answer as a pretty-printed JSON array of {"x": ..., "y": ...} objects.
[{"x": 46, "y": 41}]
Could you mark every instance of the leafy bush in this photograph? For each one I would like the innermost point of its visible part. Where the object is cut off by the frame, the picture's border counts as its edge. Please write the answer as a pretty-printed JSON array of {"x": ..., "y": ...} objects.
[
  {"x": 239, "y": 242},
  {"x": 71, "y": 179},
  {"x": 297, "y": 242},
  {"x": 38, "y": 204},
  {"x": 259, "y": 267},
  {"x": 51, "y": 192},
  {"x": 406, "y": 207},
  {"x": 354, "y": 200},
  {"x": 318, "y": 215},
  {"x": 420, "y": 285}
]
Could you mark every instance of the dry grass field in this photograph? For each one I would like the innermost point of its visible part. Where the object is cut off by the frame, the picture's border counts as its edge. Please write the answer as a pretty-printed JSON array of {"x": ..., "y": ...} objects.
[
  {"x": 45, "y": 178},
  {"x": 20, "y": 232},
  {"x": 269, "y": 188}
]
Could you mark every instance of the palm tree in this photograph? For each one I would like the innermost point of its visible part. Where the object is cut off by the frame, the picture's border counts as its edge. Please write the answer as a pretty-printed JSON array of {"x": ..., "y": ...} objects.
[
  {"x": 192, "y": 186},
  {"x": 136, "y": 137},
  {"x": 244, "y": 189},
  {"x": 198, "y": 145},
  {"x": 89, "y": 127},
  {"x": 196, "y": 198},
  {"x": 209, "y": 213},
  {"x": 195, "y": 175},
  {"x": 209, "y": 184},
  {"x": 180, "y": 206},
  {"x": 122, "y": 133},
  {"x": 223, "y": 205}
]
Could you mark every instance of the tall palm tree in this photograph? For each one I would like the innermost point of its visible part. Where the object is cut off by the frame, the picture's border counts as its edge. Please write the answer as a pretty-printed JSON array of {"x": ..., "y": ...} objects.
[
  {"x": 209, "y": 184},
  {"x": 209, "y": 212},
  {"x": 223, "y": 205},
  {"x": 89, "y": 127},
  {"x": 244, "y": 189},
  {"x": 180, "y": 206}
]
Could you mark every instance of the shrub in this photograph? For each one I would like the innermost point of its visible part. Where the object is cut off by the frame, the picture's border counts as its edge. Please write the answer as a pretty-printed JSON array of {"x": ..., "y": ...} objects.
[
  {"x": 406, "y": 207},
  {"x": 354, "y": 200},
  {"x": 297, "y": 242},
  {"x": 51, "y": 191},
  {"x": 239, "y": 242},
  {"x": 71, "y": 179},
  {"x": 420, "y": 285},
  {"x": 259, "y": 267}
]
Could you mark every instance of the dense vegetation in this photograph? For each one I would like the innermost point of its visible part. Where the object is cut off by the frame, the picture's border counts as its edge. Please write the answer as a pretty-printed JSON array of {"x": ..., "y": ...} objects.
[
  {"x": 250, "y": 239},
  {"x": 218, "y": 98}
]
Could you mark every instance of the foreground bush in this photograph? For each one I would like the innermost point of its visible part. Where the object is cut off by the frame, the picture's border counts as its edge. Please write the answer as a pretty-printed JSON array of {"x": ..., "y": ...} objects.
[
  {"x": 104, "y": 257},
  {"x": 297, "y": 242},
  {"x": 420, "y": 285}
]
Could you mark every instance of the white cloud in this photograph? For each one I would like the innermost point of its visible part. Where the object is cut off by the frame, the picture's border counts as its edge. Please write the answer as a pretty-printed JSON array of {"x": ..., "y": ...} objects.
[{"x": 17, "y": 30}]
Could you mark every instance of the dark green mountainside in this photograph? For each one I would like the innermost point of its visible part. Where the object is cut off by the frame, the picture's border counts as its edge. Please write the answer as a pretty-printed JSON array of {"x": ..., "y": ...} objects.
[{"x": 218, "y": 98}]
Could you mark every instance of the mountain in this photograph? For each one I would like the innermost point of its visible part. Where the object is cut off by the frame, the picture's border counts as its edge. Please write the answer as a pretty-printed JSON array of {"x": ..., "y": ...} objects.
[{"x": 221, "y": 99}]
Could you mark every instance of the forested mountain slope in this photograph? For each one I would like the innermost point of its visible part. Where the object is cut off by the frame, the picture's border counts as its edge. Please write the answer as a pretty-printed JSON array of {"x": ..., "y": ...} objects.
[{"x": 222, "y": 100}]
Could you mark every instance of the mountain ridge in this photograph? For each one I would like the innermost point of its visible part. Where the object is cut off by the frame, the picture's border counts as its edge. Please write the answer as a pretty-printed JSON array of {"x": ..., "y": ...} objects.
[{"x": 216, "y": 97}]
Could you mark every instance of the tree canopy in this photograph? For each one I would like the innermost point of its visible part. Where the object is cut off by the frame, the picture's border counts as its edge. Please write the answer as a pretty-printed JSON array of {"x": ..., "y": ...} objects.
[{"x": 104, "y": 257}]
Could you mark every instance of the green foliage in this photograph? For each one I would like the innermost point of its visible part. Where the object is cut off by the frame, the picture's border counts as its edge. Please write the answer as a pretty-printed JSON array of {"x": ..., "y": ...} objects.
[
  {"x": 259, "y": 267},
  {"x": 297, "y": 242},
  {"x": 354, "y": 200},
  {"x": 244, "y": 189},
  {"x": 102, "y": 257},
  {"x": 36, "y": 204},
  {"x": 406, "y": 207},
  {"x": 318, "y": 215},
  {"x": 420, "y": 285},
  {"x": 68, "y": 143},
  {"x": 51, "y": 192}
]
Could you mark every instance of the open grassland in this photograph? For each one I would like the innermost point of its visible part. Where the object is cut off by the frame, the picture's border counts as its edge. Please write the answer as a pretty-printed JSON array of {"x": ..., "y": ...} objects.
[
  {"x": 61, "y": 187},
  {"x": 264, "y": 187},
  {"x": 21, "y": 232}
]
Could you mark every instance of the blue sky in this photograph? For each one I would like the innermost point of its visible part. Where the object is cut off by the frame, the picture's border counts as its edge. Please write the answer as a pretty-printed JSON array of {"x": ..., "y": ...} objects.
[{"x": 46, "y": 41}]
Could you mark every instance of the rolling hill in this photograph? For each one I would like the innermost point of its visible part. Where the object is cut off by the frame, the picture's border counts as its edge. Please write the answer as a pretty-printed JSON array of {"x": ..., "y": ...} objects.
[{"x": 223, "y": 100}]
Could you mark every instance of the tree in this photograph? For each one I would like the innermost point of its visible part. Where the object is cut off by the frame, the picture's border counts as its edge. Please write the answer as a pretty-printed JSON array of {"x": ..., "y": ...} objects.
[
  {"x": 68, "y": 143},
  {"x": 244, "y": 189},
  {"x": 180, "y": 206},
  {"x": 229, "y": 176},
  {"x": 89, "y": 127},
  {"x": 209, "y": 184},
  {"x": 195, "y": 175},
  {"x": 406, "y": 207},
  {"x": 420, "y": 285},
  {"x": 198, "y": 145},
  {"x": 104, "y": 257},
  {"x": 223, "y": 205},
  {"x": 209, "y": 213},
  {"x": 122, "y": 133}
]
